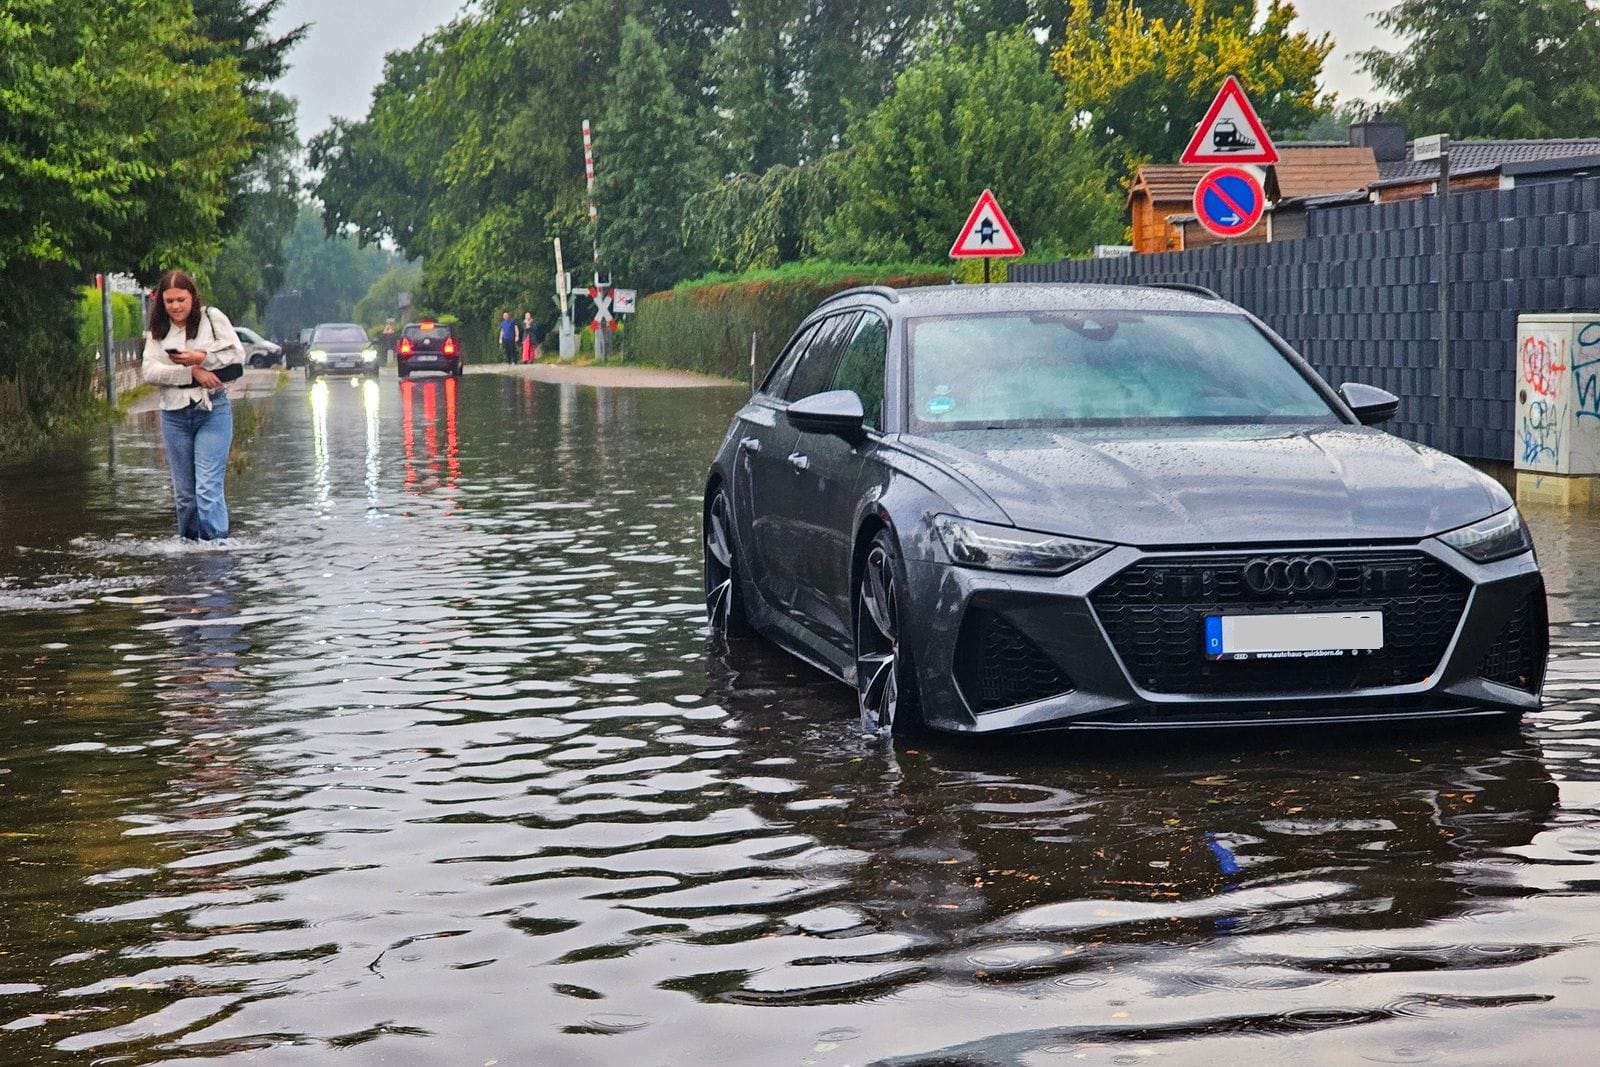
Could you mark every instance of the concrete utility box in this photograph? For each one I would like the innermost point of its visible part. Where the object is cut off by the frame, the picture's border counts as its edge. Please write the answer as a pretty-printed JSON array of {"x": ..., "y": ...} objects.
[{"x": 1558, "y": 393}]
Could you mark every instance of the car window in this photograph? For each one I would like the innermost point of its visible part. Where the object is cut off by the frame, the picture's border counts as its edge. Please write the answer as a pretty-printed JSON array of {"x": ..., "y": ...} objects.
[
  {"x": 778, "y": 377},
  {"x": 861, "y": 369},
  {"x": 1102, "y": 368},
  {"x": 815, "y": 369},
  {"x": 416, "y": 331},
  {"x": 340, "y": 335}
]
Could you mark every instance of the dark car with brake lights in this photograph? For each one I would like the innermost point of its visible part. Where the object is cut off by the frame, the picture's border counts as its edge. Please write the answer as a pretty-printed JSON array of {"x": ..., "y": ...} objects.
[
  {"x": 429, "y": 345},
  {"x": 1014, "y": 507},
  {"x": 340, "y": 348}
]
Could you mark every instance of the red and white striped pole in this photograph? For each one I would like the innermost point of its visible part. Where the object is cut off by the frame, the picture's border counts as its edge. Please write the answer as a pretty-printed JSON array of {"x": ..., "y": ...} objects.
[
  {"x": 594, "y": 212},
  {"x": 602, "y": 345}
]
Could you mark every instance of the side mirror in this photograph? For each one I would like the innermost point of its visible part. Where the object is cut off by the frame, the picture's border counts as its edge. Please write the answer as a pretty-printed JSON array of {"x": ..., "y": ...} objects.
[
  {"x": 1370, "y": 404},
  {"x": 837, "y": 412}
]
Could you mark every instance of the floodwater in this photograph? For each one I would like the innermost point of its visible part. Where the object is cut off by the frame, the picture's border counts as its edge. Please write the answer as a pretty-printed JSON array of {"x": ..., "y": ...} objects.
[{"x": 431, "y": 765}]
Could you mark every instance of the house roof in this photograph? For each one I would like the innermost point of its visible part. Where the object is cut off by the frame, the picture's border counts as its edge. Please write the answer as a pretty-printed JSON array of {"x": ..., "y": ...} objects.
[
  {"x": 1304, "y": 170},
  {"x": 1479, "y": 157}
]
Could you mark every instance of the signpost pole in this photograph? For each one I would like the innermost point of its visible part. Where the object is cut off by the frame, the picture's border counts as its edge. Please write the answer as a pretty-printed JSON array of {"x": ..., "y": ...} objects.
[
  {"x": 1422, "y": 150},
  {"x": 1444, "y": 294},
  {"x": 985, "y": 270},
  {"x": 106, "y": 331}
]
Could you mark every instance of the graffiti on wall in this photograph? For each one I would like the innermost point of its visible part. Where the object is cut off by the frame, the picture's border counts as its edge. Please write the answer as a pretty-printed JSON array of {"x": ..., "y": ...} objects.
[
  {"x": 1541, "y": 360},
  {"x": 1586, "y": 373}
]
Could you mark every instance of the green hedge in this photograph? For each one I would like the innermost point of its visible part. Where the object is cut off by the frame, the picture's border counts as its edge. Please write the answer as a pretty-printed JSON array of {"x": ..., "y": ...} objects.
[
  {"x": 126, "y": 318},
  {"x": 705, "y": 325}
]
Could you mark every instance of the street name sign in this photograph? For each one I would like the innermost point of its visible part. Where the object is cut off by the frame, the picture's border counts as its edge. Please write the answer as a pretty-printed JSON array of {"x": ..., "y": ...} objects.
[
  {"x": 987, "y": 232},
  {"x": 1425, "y": 148},
  {"x": 1229, "y": 201},
  {"x": 1231, "y": 132}
]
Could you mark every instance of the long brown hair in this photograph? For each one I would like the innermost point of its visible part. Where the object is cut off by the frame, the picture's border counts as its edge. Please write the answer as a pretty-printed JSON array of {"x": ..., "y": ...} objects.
[{"x": 160, "y": 321}]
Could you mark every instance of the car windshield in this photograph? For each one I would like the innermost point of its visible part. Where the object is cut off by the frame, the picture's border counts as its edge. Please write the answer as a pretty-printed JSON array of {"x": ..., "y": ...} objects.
[
  {"x": 340, "y": 335},
  {"x": 1101, "y": 368}
]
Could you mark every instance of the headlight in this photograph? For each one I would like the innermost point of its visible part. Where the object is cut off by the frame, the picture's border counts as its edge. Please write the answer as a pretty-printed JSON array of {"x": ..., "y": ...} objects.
[
  {"x": 1006, "y": 548},
  {"x": 318, "y": 355},
  {"x": 370, "y": 355},
  {"x": 1497, "y": 537}
]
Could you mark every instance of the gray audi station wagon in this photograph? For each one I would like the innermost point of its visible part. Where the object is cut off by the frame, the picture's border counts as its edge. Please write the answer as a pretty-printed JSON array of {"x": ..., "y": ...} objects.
[{"x": 1015, "y": 507}]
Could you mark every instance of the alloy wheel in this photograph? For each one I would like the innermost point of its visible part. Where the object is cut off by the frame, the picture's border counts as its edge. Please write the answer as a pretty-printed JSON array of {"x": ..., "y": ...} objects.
[
  {"x": 723, "y": 609},
  {"x": 878, "y": 644}
]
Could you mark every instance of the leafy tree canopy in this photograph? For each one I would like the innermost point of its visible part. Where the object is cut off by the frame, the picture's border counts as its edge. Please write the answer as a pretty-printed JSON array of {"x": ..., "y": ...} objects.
[
  {"x": 958, "y": 122},
  {"x": 1492, "y": 68},
  {"x": 1142, "y": 83}
]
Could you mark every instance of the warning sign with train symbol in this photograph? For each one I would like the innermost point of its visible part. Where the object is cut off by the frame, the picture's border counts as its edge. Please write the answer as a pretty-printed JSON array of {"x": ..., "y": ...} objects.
[{"x": 1231, "y": 132}]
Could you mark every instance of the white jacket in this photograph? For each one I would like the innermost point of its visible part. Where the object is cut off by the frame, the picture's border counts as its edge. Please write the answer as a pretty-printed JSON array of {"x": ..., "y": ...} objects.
[{"x": 215, "y": 337}]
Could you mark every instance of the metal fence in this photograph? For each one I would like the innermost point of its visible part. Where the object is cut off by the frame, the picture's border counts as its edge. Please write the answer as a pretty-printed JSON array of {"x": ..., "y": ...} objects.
[
  {"x": 125, "y": 357},
  {"x": 1358, "y": 295}
]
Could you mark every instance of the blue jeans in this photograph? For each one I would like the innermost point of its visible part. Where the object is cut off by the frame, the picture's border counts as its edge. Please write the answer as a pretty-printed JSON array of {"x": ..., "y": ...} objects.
[{"x": 197, "y": 443}]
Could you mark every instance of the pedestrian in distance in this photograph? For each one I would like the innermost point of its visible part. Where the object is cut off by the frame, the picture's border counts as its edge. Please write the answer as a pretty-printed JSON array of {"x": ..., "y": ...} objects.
[
  {"x": 191, "y": 351},
  {"x": 508, "y": 336},
  {"x": 527, "y": 337}
]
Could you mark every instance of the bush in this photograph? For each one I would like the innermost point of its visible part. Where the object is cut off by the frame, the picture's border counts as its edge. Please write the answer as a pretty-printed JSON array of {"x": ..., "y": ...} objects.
[
  {"x": 705, "y": 325},
  {"x": 127, "y": 320}
]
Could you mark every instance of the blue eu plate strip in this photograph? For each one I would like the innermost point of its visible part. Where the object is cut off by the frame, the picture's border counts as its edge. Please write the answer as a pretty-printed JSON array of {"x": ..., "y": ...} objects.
[{"x": 1213, "y": 635}]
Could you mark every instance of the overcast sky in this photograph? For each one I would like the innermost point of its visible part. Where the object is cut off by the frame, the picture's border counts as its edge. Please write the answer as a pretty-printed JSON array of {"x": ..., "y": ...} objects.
[{"x": 334, "y": 70}]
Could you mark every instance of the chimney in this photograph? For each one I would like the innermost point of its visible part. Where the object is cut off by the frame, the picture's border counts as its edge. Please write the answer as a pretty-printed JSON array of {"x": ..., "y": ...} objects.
[{"x": 1386, "y": 139}]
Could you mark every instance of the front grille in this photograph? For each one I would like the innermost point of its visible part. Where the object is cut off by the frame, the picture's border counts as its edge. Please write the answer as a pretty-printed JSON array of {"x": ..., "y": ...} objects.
[
  {"x": 998, "y": 667},
  {"x": 1154, "y": 612},
  {"x": 1517, "y": 656}
]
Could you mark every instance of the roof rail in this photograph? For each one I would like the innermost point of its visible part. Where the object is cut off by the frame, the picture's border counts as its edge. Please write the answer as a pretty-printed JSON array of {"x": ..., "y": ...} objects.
[
  {"x": 1184, "y": 287},
  {"x": 888, "y": 293}
]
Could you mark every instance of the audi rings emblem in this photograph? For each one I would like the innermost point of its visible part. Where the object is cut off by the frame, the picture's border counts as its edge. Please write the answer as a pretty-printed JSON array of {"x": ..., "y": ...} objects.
[{"x": 1298, "y": 574}]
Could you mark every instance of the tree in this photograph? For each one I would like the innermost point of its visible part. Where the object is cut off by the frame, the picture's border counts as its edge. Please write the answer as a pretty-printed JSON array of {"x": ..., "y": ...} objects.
[
  {"x": 651, "y": 167},
  {"x": 324, "y": 277},
  {"x": 1492, "y": 68},
  {"x": 118, "y": 142},
  {"x": 759, "y": 221},
  {"x": 1142, "y": 84},
  {"x": 958, "y": 122}
]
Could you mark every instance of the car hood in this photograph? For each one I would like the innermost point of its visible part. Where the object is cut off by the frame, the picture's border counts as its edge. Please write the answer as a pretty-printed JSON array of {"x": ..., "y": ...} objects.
[
  {"x": 1220, "y": 485},
  {"x": 342, "y": 347}
]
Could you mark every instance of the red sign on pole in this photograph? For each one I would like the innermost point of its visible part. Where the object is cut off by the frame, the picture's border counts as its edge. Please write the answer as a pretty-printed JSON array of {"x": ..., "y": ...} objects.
[
  {"x": 1231, "y": 132},
  {"x": 987, "y": 232}
]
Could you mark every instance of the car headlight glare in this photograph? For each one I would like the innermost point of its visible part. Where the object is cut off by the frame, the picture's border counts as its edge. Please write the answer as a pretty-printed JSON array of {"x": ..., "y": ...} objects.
[
  {"x": 1497, "y": 537},
  {"x": 370, "y": 355},
  {"x": 318, "y": 355},
  {"x": 1006, "y": 548}
]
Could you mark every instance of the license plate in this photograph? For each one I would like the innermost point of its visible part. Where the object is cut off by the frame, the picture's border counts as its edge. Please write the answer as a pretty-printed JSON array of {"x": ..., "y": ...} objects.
[{"x": 1306, "y": 635}]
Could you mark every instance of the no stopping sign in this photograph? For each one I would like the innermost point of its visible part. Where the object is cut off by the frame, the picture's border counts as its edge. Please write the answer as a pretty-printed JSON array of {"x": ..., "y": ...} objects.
[{"x": 1229, "y": 201}]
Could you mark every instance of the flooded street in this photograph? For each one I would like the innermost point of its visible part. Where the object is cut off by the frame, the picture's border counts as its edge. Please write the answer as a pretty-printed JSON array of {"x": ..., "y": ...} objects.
[{"x": 431, "y": 766}]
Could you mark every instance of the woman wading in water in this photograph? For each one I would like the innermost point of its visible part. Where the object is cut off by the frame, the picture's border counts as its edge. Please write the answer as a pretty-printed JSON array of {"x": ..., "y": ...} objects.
[{"x": 191, "y": 351}]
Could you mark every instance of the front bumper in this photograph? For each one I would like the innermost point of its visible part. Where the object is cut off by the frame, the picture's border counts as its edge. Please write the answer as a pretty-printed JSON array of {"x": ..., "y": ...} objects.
[{"x": 1010, "y": 652}]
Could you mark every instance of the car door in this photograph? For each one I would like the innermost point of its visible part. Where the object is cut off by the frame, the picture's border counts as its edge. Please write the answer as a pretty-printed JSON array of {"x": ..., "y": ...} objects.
[
  {"x": 838, "y": 466},
  {"x": 761, "y": 474},
  {"x": 811, "y": 531}
]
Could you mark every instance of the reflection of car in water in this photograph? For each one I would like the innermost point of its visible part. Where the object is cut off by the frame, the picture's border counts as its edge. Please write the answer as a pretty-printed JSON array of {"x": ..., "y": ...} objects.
[
  {"x": 340, "y": 348},
  {"x": 1225, "y": 137},
  {"x": 1088, "y": 854},
  {"x": 429, "y": 345},
  {"x": 1013, "y": 507}
]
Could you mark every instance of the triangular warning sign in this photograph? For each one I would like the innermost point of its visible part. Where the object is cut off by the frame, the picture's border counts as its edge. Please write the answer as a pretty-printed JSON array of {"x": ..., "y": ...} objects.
[
  {"x": 987, "y": 233},
  {"x": 1231, "y": 132}
]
